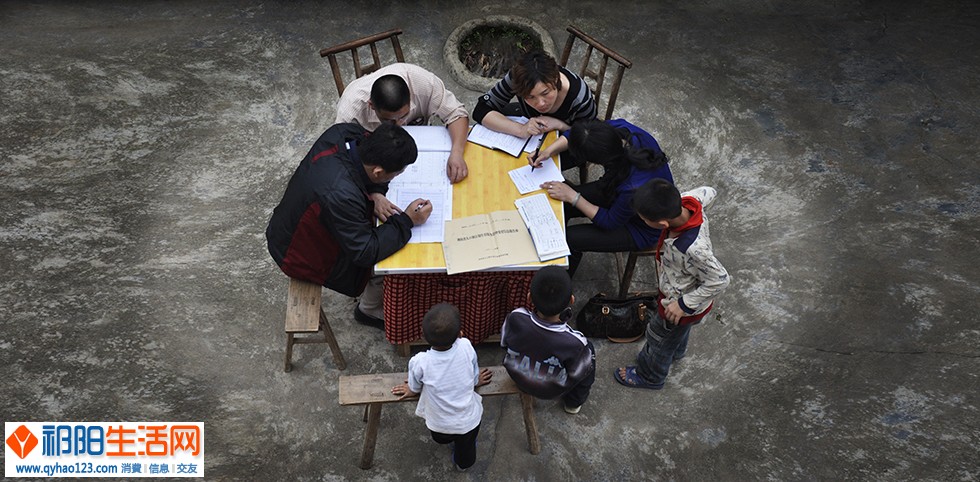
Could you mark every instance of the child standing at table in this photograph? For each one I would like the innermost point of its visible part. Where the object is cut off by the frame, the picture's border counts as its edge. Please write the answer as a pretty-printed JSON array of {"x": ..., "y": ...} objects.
[
  {"x": 545, "y": 357},
  {"x": 446, "y": 376},
  {"x": 690, "y": 278}
]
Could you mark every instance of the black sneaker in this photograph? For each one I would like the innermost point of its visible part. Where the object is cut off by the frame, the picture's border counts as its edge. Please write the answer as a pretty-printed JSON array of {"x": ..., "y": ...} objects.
[{"x": 368, "y": 320}]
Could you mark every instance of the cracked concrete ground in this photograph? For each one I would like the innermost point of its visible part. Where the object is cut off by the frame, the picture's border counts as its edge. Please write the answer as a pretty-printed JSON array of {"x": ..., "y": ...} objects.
[{"x": 143, "y": 146}]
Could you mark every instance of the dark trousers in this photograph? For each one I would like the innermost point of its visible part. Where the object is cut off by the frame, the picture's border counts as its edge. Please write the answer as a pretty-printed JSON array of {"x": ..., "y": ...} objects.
[
  {"x": 580, "y": 393},
  {"x": 464, "y": 446},
  {"x": 588, "y": 237}
]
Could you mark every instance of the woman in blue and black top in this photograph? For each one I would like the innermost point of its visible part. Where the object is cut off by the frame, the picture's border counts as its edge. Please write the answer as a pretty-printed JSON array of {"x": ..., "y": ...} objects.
[
  {"x": 552, "y": 97},
  {"x": 630, "y": 157}
]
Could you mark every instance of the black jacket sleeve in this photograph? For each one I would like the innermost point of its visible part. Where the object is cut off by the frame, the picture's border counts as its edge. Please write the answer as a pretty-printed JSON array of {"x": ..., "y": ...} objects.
[{"x": 348, "y": 215}]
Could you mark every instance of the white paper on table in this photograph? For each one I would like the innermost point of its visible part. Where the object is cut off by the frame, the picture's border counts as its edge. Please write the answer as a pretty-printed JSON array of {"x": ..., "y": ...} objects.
[
  {"x": 527, "y": 180},
  {"x": 497, "y": 140},
  {"x": 431, "y": 138},
  {"x": 428, "y": 168},
  {"x": 546, "y": 230},
  {"x": 425, "y": 179},
  {"x": 433, "y": 229}
]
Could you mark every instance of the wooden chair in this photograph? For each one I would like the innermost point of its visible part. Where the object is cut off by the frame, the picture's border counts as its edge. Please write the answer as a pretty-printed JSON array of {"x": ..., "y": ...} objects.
[
  {"x": 626, "y": 273},
  {"x": 331, "y": 54},
  {"x": 305, "y": 315},
  {"x": 597, "y": 76}
]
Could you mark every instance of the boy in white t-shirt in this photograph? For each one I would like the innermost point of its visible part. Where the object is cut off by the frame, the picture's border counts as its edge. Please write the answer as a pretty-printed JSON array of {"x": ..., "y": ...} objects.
[{"x": 446, "y": 376}]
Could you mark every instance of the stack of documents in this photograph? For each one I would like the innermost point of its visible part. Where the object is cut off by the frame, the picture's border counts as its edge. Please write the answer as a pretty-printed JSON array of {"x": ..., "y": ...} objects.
[
  {"x": 487, "y": 241},
  {"x": 546, "y": 231}
]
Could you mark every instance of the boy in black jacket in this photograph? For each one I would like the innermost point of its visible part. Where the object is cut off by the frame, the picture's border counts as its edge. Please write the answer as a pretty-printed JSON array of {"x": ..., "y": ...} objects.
[{"x": 545, "y": 357}]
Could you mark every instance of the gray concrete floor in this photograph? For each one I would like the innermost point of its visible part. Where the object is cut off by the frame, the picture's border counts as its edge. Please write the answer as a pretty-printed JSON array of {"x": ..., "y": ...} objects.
[{"x": 143, "y": 146}]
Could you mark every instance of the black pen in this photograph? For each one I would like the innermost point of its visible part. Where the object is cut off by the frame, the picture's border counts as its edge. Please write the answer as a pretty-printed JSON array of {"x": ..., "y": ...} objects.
[
  {"x": 423, "y": 203},
  {"x": 536, "y": 151}
]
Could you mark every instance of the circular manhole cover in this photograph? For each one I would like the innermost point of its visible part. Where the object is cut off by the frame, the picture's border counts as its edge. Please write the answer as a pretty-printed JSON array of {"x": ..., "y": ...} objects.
[{"x": 480, "y": 52}]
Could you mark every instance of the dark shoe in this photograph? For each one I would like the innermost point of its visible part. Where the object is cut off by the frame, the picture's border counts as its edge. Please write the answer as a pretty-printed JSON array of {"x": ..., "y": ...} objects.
[{"x": 368, "y": 320}]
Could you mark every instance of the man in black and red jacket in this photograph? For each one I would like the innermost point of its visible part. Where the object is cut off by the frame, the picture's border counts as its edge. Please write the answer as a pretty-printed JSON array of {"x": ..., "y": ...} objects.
[{"x": 324, "y": 230}]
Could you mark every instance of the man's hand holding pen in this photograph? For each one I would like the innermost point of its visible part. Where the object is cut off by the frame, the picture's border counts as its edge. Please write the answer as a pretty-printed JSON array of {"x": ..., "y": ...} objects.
[{"x": 419, "y": 211}]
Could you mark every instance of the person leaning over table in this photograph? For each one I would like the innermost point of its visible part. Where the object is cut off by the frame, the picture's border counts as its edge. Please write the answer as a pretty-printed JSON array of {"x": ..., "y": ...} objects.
[
  {"x": 401, "y": 94},
  {"x": 552, "y": 97},
  {"x": 406, "y": 94},
  {"x": 323, "y": 230},
  {"x": 630, "y": 157}
]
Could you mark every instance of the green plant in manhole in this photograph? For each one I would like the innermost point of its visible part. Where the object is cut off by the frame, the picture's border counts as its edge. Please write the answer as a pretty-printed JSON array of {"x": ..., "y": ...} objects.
[{"x": 490, "y": 51}]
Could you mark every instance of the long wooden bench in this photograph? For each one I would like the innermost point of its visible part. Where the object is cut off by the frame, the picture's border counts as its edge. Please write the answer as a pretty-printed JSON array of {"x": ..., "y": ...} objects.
[
  {"x": 375, "y": 390},
  {"x": 304, "y": 315}
]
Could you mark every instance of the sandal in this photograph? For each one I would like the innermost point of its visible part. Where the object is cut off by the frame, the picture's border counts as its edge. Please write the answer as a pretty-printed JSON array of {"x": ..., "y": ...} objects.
[{"x": 633, "y": 379}]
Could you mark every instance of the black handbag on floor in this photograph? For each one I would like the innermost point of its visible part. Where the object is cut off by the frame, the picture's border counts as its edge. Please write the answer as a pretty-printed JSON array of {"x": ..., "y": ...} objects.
[{"x": 619, "y": 320}]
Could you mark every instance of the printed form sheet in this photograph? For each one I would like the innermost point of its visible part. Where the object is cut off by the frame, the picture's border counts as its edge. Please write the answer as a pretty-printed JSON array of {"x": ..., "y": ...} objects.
[
  {"x": 546, "y": 230},
  {"x": 426, "y": 179},
  {"x": 528, "y": 180}
]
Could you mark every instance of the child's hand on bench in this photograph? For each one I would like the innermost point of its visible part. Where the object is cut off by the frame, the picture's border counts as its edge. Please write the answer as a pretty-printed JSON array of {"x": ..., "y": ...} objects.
[
  {"x": 485, "y": 376},
  {"x": 404, "y": 392}
]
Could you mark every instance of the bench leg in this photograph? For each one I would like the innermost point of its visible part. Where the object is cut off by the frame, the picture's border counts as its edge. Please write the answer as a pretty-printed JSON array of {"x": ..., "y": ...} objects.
[
  {"x": 371, "y": 435},
  {"x": 338, "y": 357},
  {"x": 289, "y": 352},
  {"x": 530, "y": 424}
]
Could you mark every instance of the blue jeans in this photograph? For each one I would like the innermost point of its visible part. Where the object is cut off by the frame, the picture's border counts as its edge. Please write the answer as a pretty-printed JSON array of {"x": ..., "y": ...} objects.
[{"x": 665, "y": 343}]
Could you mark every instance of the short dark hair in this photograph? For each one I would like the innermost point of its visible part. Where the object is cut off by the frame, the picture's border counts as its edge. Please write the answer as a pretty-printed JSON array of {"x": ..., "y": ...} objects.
[
  {"x": 390, "y": 93},
  {"x": 535, "y": 66},
  {"x": 390, "y": 147},
  {"x": 440, "y": 326},
  {"x": 657, "y": 200},
  {"x": 551, "y": 290}
]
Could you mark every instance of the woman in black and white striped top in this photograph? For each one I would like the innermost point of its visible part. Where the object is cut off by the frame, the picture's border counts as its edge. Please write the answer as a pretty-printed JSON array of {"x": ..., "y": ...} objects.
[{"x": 552, "y": 97}]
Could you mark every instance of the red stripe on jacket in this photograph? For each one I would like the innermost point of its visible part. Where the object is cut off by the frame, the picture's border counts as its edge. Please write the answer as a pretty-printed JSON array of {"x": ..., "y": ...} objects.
[{"x": 312, "y": 251}]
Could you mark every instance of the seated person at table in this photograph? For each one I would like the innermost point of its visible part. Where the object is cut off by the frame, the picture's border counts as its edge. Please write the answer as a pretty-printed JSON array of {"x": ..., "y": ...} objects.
[
  {"x": 552, "y": 97},
  {"x": 406, "y": 94},
  {"x": 630, "y": 157},
  {"x": 445, "y": 376},
  {"x": 545, "y": 357},
  {"x": 323, "y": 231}
]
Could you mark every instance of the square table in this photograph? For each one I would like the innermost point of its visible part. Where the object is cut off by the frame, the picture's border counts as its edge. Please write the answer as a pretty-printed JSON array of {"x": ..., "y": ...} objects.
[{"x": 415, "y": 276}]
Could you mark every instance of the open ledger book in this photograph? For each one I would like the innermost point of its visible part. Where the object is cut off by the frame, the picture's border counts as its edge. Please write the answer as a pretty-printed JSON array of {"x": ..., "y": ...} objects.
[
  {"x": 426, "y": 179},
  {"x": 504, "y": 142},
  {"x": 546, "y": 231}
]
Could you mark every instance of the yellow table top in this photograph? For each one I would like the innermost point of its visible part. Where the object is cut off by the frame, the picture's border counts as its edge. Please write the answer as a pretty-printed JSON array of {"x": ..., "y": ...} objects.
[{"x": 487, "y": 188}]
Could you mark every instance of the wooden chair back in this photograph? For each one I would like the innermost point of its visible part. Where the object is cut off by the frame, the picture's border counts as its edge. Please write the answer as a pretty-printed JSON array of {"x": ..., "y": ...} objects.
[
  {"x": 596, "y": 73},
  {"x": 360, "y": 70}
]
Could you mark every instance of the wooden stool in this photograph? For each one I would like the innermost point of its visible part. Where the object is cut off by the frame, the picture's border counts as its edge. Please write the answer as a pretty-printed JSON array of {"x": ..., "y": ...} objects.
[
  {"x": 305, "y": 315},
  {"x": 372, "y": 391}
]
